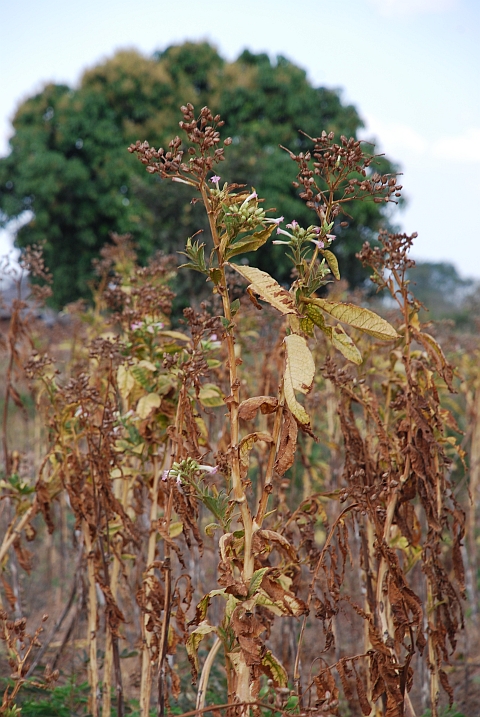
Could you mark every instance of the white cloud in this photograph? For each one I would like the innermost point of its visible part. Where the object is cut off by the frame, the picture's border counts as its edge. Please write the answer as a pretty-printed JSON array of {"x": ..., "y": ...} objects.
[
  {"x": 464, "y": 148},
  {"x": 395, "y": 138},
  {"x": 404, "y": 8},
  {"x": 399, "y": 140}
]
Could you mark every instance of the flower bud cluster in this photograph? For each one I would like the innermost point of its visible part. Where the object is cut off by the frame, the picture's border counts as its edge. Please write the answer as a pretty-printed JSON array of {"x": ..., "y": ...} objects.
[
  {"x": 186, "y": 469},
  {"x": 245, "y": 216}
]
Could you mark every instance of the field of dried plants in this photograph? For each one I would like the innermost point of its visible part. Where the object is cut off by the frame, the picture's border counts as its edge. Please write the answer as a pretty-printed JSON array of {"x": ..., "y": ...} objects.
[{"x": 265, "y": 506}]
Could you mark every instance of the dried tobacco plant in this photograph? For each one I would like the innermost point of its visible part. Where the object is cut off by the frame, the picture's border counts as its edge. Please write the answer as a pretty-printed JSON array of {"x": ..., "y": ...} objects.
[
  {"x": 258, "y": 565},
  {"x": 176, "y": 505}
]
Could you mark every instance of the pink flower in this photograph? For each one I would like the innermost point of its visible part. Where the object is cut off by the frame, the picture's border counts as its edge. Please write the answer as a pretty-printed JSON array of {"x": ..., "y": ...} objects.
[
  {"x": 331, "y": 237},
  {"x": 208, "y": 469},
  {"x": 293, "y": 225},
  {"x": 318, "y": 243},
  {"x": 165, "y": 475},
  {"x": 136, "y": 325},
  {"x": 215, "y": 179}
]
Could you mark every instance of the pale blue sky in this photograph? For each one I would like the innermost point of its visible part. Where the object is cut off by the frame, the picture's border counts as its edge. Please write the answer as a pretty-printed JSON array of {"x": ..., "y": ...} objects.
[{"x": 411, "y": 67}]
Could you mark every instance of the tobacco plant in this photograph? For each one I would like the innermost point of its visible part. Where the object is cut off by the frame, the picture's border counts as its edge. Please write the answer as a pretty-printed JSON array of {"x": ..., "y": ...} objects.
[{"x": 248, "y": 482}]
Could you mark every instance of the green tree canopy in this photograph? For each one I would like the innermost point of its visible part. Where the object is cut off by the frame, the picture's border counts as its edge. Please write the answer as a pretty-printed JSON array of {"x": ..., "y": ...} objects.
[{"x": 69, "y": 165}]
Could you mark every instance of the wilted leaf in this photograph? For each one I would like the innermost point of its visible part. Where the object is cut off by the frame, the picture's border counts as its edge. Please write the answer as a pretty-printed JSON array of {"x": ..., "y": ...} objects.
[
  {"x": 248, "y": 409},
  {"x": 358, "y": 317},
  {"x": 246, "y": 445},
  {"x": 288, "y": 443},
  {"x": 274, "y": 669},
  {"x": 194, "y": 641},
  {"x": 147, "y": 403},
  {"x": 211, "y": 396},
  {"x": 125, "y": 381},
  {"x": 299, "y": 373},
  {"x": 267, "y": 289}
]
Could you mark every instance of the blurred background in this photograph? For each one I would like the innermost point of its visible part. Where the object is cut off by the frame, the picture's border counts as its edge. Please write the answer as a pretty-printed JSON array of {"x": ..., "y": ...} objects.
[{"x": 81, "y": 80}]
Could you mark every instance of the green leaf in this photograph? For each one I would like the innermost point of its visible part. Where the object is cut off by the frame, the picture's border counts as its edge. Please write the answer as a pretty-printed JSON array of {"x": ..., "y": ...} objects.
[
  {"x": 332, "y": 263},
  {"x": 211, "y": 396},
  {"x": 256, "y": 580},
  {"x": 250, "y": 243},
  {"x": 298, "y": 376},
  {"x": 267, "y": 289},
  {"x": 358, "y": 317},
  {"x": 234, "y": 306}
]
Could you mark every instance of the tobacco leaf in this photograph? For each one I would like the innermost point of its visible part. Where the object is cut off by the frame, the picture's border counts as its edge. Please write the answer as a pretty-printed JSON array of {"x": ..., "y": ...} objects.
[
  {"x": 24, "y": 556},
  {"x": 299, "y": 374},
  {"x": 248, "y": 629},
  {"x": 192, "y": 645},
  {"x": 267, "y": 289},
  {"x": 327, "y": 692},
  {"x": 274, "y": 669},
  {"x": 245, "y": 447},
  {"x": 344, "y": 673},
  {"x": 358, "y": 317},
  {"x": 288, "y": 443},
  {"x": 435, "y": 352},
  {"x": 250, "y": 243},
  {"x": 247, "y": 410},
  {"x": 446, "y": 685},
  {"x": 365, "y": 705}
]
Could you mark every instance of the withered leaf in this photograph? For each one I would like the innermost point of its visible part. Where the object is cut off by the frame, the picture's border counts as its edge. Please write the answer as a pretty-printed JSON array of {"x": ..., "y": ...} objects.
[
  {"x": 288, "y": 443},
  {"x": 248, "y": 409}
]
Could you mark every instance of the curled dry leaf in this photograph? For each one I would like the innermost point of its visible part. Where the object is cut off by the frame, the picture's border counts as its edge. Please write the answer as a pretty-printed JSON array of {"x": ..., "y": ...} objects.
[
  {"x": 288, "y": 443},
  {"x": 248, "y": 409}
]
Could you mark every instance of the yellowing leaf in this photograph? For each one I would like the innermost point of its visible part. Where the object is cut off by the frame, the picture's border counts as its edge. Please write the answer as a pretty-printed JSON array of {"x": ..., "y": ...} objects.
[
  {"x": 299, "y": 373},
  {"x": 250, "y": 243},
  {"x": 344, "y": 344},
  {"x": 174, "y": 335},
  {"x": 246, "y": 445},
  {"x": 358, "y": 317},
  {"x": 175, "y": 529},
  {"x": 194, "y": 641},
  {"x": 148, "y": 365},
  {"x": 210, "y": 396},
  {"x": 125, "y": 381},
  {"x": 267, "y": 289},
  {"x": 147, "y": 403},
  {"x": 332, "y": 263},
  {"x": 274, "y": 669}
]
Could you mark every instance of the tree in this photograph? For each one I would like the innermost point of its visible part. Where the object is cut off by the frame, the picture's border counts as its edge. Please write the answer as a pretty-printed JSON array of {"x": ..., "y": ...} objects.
[{"x": 68, "y": 162}]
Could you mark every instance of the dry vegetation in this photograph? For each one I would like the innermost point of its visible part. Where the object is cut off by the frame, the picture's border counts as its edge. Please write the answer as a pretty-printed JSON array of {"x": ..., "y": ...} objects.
[{"x": 255, "y": 498}]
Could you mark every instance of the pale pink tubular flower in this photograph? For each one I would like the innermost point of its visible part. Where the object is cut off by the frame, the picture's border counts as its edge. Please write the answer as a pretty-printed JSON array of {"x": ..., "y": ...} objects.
[
  {"x": 293, "y": 225},
  {"x": 318, "y": 243},
  {"x": 208, "y": 469},
  {"x": 165, "y": 475},
  {"x": 215, "y": 179}
]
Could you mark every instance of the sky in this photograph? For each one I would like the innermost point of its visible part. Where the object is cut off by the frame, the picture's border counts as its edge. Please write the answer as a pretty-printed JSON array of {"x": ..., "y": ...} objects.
[{"x": 411, "y": 68}]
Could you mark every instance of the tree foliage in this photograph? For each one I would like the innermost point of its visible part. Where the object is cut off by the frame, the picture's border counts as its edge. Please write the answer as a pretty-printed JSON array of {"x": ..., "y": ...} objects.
[{"x": 69, "y": 167}]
